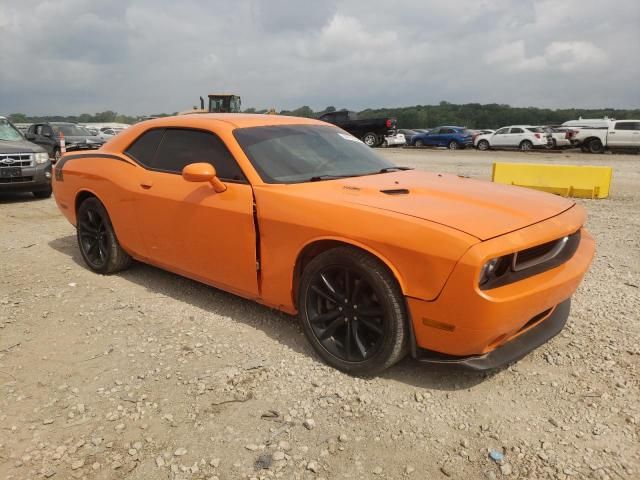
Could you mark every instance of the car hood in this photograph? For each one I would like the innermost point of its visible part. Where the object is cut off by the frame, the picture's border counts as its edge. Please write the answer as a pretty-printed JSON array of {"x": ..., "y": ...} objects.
[
  {"x": 479, "y": 208},
  {"x": 21, "y": 146},
  {"x": 82, "y": 139}
]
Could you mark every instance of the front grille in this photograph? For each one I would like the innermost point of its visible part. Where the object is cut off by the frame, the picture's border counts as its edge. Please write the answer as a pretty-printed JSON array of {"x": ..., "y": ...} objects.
[
  {"x": 534, "y": 260},
  {"x": 16, "y": 179},
  {"x": 16, "y": 160}
]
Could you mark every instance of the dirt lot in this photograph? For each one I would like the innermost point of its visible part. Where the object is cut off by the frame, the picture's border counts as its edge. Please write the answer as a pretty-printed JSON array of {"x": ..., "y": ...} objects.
[{"x": 147, "y": 375}]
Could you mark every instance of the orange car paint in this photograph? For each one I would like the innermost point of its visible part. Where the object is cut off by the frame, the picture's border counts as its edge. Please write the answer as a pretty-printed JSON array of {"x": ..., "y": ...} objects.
[{"x": 434, "y": 240}]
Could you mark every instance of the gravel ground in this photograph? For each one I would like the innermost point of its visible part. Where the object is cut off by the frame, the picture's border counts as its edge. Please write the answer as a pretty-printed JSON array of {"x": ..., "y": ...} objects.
[{"x": 147, "y": 375}]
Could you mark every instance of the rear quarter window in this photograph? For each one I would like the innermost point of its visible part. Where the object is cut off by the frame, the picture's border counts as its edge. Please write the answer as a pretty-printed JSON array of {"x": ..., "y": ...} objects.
[{"x": 144, "y": 148}]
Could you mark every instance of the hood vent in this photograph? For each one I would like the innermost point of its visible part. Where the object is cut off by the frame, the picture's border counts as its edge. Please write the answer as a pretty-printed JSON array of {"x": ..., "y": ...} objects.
[{"x": 395, "y": 191}]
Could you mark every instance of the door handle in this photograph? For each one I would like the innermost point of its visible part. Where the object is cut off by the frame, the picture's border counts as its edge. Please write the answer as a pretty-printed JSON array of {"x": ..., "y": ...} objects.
[{"x": 146, "y": 184}]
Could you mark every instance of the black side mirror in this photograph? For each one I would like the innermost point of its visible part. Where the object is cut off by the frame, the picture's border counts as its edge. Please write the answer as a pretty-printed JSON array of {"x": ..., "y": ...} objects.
[{"x": 30, "y": 136}]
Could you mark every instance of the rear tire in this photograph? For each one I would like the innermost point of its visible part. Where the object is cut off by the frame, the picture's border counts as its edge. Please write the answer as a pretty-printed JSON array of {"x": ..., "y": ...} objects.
[
  {"x": 370, "y": 139},
  {"x": 526, "y": 145},
  {"x": 97, "y": 240},
  {"x": 43, "y": 193},
  {"x": 353, "y": 311},
  {"x": 595, "y": 146}
]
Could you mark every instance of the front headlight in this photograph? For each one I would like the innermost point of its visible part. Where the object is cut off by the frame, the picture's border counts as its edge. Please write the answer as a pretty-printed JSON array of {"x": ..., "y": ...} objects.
[
  {"x": 41, "y": 157},
  {"x": 494, "y": 268}
]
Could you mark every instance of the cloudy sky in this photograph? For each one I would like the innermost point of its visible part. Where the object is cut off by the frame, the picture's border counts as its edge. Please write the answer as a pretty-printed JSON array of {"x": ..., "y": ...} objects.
[{"x": 147, "y": 56}]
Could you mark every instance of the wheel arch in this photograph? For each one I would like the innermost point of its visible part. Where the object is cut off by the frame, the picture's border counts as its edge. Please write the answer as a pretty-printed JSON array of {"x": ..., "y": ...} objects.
[
  {"x": 81, "y": 196},
  {"x": 315, "y": 247}
]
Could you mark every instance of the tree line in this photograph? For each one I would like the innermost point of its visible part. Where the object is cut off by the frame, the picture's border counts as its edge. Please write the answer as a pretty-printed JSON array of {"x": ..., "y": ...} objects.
[{"x": 470, "y": 115}]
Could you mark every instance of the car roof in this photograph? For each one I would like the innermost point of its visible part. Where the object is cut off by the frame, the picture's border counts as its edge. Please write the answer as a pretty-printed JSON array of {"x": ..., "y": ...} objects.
[
  {"x": 219, "y": 121},
  {"x": 237, "y": 120},
  {"x": 61, "y": 123}
]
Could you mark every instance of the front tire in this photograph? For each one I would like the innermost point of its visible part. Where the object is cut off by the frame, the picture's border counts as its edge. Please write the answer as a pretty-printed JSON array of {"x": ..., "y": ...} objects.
[
  {"x": 352, "y": 311},
  {"x": 526, "y": 145},
  {"x": 453, "y": 145},
  {"x": 97, "y": 240},
  {"x": 483, "y": 145},
  {"x": 370, "y": 139},
  {"x": 419, "y": 143}
]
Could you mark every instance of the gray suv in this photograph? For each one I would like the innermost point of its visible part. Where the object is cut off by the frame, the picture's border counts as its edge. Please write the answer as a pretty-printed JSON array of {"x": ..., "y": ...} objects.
[{"x": 24, "y": 166}]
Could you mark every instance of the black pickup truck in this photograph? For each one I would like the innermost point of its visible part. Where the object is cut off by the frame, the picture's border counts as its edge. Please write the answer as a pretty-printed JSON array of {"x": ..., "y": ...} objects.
[{"x": 371, "y": 130}]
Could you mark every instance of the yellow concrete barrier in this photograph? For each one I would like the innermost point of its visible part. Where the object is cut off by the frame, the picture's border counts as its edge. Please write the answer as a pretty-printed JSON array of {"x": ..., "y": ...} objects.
[{"x": 567, "y": 180}]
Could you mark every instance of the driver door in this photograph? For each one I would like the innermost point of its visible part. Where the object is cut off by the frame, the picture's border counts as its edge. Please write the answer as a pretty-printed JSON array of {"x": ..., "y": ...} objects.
[{"x": 187, "y": 227}]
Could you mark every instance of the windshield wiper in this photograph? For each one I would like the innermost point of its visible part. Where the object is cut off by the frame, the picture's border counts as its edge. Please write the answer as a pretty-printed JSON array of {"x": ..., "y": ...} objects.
[{"x": 319, "y": 178}]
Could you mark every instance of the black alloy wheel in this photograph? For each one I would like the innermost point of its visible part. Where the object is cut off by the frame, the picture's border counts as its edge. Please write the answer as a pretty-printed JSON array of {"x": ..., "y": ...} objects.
[
  {"x": 352, "y": 311},
  {"x": 345, "y": 315},
  {"x": 98, "y": 243}
]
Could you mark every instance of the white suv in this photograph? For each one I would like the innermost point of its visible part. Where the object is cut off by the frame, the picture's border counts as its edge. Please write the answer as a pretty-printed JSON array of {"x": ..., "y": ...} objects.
[{"x": 524, "y": 137}]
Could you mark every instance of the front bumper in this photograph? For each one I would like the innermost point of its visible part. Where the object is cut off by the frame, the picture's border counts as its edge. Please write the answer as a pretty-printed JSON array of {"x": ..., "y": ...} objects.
[
  {"x": 32, "y": 179},
  {"x": 465, "y": 321},
  {"x": 531, "y": 338}
]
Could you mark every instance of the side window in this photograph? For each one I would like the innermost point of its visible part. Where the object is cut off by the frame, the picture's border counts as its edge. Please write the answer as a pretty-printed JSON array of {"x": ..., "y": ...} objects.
[
  {"x": 502, "y": 131},
  {"x": 46, "y": 130},
  {"x": 39, "y": 130},
  {"x": 624, "y": 126},
  {"x": 517, "y": 130},
  {"x": 435, "y": 131},
  {"x": 144, "y": 148},
  {"x": 181, "y": 147}
]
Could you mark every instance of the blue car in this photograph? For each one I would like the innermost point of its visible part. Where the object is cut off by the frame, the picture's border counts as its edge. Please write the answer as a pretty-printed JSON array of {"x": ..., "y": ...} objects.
[{"x": 450, "y": 137}]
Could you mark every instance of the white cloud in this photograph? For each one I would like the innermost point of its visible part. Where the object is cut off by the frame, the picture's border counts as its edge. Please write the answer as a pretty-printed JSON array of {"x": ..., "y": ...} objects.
[
  {"x": 146, "y": 56},
  {"x": 557, "y": 56}
]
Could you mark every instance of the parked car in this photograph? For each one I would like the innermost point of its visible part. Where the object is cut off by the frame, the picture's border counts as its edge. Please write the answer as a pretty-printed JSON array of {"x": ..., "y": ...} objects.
[
  {"x": 47, "y": 135},
  {"x": 377, "y": 260},
  {"x": 408, "y": 134},
  {"x": 371, "y": 130},
  {"x": 560, "y": 136},
  {"x": 619, "y": 134},
  {"x": 524, "y": 137},
  {"x": 106, "y": 133},
  {"x": 24, "y": 166},
  {"x": 396, "y": 140},
  {"x": 475, "y": 133},
  {"x": 450, "y": 137}
]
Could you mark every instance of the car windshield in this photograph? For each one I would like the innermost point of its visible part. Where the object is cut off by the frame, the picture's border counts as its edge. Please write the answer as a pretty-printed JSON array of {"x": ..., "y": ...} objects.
[
  {"x": 71, "y": 130},
  {"x": 302, "y": 153},
  {"x": 8, "y": 132}
]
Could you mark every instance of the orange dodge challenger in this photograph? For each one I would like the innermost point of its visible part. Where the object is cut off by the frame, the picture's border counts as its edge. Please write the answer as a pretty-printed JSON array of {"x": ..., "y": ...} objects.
[{"x": 377, "y": 260}]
